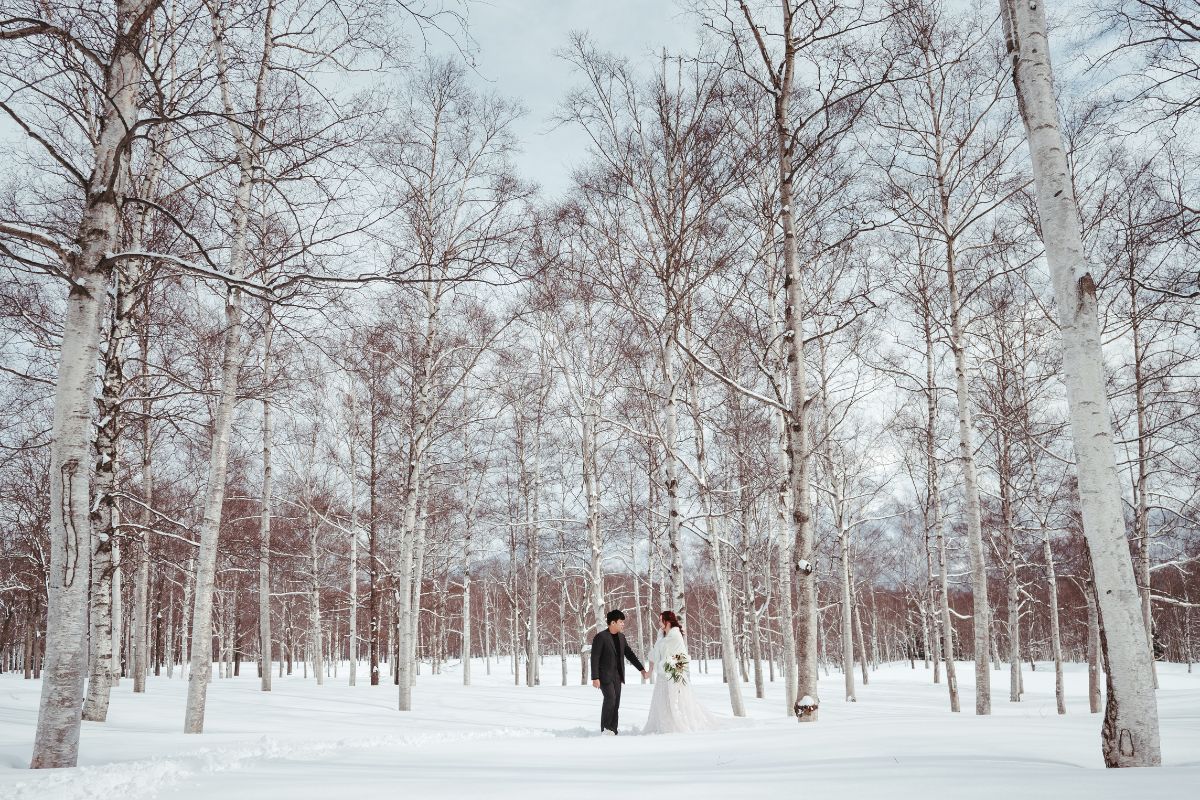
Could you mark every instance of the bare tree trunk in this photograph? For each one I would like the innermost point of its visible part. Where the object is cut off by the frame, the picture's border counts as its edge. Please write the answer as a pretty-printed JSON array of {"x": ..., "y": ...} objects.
[
  {"x": 533, "y": 530},
  {"x": 1093, "y": 648},
  {"x": 264, "y": 524},
  {"x": 671, "y": 471},
  {"x": 118, "y": 616},
  {"x": 1011, "y": 576},
  {"x": 847, "y": 601},
  {"x": 141, "y": 577},
  {"x": 315, "y": 635},
  {"x": 786, "y": 543},
  {"x": 404, "y": 601},
  {"x": 637, "y": 594},
  {"x": 752, "y": 611},
  {"x": 56, "y": 742},
  {"x": 595, "y": 538},
  {"x": 468, "y": 554},
  {"x": 856, "y": 607},
  {"x": 353, "y": 632},
  {"x": 374, "y": 589},
  {"x": 1141, "y": 514},
  {"x": 1055, "y": 637},
  {"x": 720, "y": 574},
  {"x": 222, "y": 423},
  {"x": 937, "y": 521},
  {"x": 1130, "y": 736},
  {"x": 966, "y": 456},
  {"x": 414, "y": 610},
  {"x": 105, "y": 515}
]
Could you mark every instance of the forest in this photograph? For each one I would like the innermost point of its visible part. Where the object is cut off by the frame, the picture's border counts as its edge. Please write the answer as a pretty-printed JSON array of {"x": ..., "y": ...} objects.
[{"x": 863, "y": 334}]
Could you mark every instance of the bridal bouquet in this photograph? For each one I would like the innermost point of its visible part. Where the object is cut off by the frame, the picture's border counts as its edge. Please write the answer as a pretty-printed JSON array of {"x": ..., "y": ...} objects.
[{"x": 676, "y": 667}]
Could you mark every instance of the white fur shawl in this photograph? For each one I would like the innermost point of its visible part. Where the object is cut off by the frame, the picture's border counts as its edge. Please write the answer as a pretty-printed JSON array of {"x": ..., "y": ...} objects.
[{"x": 667, "y": 647}]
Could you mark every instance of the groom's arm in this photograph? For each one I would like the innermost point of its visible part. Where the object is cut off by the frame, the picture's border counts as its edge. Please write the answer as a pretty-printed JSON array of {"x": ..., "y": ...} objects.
[{"x": 595, "y": 660}]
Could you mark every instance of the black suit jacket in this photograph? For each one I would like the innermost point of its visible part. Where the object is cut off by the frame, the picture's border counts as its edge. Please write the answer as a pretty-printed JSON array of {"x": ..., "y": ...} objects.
[{"x": 608, "y": 657}]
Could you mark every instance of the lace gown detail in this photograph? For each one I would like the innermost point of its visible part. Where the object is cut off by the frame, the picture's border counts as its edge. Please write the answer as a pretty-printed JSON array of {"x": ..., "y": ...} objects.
[{"x": 673, "y": 706}]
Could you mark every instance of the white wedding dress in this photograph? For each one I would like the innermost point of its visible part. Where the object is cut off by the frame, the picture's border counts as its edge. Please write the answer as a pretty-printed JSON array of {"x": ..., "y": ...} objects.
[{"x": 673, "y": 707}]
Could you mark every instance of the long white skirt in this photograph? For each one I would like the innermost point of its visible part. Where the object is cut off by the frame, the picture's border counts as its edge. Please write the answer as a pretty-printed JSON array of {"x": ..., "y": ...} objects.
[{"x": 675, "y": 709}]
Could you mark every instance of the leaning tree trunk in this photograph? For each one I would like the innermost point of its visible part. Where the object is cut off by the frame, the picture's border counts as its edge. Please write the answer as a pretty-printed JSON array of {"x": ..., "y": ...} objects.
[
  {"x": 210, "y": 527},
  {"x": 222, "y": 423},
  {"x": 1130, "y": 736},
  {"x": 56, "y": 741}
]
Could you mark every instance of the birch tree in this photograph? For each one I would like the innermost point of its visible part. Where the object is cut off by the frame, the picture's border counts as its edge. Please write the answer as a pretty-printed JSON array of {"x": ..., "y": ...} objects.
[
  {"x": 1130, "y": 731},
  {"x": 118, "y": 63}
]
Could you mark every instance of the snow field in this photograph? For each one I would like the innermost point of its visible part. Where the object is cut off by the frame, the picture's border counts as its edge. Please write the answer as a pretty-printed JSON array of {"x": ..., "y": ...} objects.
[{"x": 497, "y": 740}]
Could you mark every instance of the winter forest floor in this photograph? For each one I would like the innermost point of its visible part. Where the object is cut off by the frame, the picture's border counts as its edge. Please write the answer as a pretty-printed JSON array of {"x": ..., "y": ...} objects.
[{"x": 498, "y": 740}]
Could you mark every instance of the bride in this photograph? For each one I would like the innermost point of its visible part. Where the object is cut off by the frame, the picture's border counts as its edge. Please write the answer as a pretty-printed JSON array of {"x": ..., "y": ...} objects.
[{"x": 673, "y": 707}]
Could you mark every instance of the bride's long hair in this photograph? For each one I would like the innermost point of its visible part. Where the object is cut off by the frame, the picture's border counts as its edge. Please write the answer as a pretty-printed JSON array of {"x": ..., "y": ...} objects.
[{"x": 672, "y": 620}]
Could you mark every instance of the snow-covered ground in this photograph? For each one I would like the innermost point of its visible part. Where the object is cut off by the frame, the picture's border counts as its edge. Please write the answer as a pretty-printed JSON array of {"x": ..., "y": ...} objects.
[{"x": 495, "y": 739}]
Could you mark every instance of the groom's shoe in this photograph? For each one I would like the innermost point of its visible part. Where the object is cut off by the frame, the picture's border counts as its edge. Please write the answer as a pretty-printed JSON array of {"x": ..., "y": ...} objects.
[{"x": 607, "y": 732}]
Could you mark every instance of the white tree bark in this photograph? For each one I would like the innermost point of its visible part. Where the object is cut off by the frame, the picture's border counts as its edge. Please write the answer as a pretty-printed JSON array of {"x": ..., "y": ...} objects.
[
  {"x": 843, "y": 529},
  {"x": 1055, "y": 636},
  {"x": 533, "y": 533},
  {"x": 1093, "y": 648},
  {"x": 1130, "y": 736},
  {"x": 106, "y": 511},
  {"x": 56, "y": 742},
  {"x": 315, "y": 636},
  {"x": 936, "y": 522},
  {"x": 264, "y": 525},
  {"x": 671, "y": 468},
  {"x": 234, "y": 347},
  {"x": 966, "y": 457},
  {"x": 720, "y": 574},
  {"x": 595, "y": 536},
  {"x": 353, "y": 479},
  {"x": 784, "y": 533},
  {"x": 138, "y": 660}
]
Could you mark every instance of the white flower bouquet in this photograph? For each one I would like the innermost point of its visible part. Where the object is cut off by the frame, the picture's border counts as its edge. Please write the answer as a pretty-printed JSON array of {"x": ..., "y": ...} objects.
[{"x": 676, "y": 667}]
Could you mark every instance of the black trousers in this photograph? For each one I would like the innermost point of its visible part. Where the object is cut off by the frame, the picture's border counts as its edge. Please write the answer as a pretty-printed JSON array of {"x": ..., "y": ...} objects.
[{"x": 612, "y": 706}]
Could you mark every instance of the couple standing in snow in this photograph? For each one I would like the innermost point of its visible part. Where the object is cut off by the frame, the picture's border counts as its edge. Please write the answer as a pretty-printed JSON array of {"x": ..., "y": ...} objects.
[{"x": 673, "y": 707}]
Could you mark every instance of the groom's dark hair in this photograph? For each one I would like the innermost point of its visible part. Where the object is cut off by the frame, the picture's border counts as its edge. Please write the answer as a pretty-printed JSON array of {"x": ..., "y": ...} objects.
[{"x": 614, "y": 615}]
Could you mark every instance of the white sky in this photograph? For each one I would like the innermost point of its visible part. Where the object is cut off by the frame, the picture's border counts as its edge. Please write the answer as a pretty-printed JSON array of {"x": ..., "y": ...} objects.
[{"x": 516, "y": 44}]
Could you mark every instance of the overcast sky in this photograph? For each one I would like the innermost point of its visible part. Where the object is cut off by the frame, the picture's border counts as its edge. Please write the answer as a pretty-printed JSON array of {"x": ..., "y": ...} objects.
[{"x": 516, "y": 44}]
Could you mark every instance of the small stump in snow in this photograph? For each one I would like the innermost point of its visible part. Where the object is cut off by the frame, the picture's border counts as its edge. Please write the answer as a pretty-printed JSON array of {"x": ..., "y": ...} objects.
[{"x": 805, "y": 709}]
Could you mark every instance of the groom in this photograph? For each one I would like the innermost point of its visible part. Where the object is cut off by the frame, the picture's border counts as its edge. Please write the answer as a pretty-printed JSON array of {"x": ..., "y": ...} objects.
[{"x": 609, "y": 651}]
